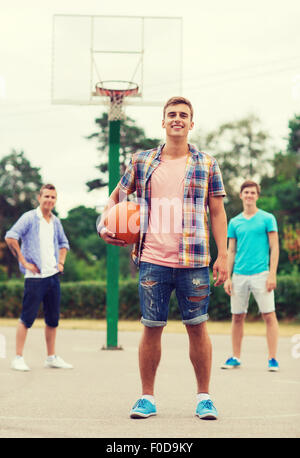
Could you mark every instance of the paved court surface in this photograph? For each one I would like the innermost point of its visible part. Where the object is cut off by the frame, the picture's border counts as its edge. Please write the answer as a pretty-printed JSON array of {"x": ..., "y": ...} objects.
[{"x": 93, "y": 400}]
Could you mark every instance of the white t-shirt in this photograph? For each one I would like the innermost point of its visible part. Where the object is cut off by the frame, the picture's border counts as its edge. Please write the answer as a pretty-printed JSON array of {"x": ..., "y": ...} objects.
[{"x": 48, "y": 260}]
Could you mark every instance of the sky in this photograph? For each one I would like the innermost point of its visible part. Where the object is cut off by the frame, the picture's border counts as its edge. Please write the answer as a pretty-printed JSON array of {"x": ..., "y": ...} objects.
[{"x": 239, "y": 57}]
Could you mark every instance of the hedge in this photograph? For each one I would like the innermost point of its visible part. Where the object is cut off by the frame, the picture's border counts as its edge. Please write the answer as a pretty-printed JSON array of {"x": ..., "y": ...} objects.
[{"x": 87, "y": 300}]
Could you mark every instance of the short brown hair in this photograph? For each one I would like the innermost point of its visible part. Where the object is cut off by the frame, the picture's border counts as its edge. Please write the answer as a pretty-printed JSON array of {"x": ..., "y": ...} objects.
[
  {"x": 177, "y": 101},
  {"x": 248, "y": 184},
  {"x": 47, "y": 186}
]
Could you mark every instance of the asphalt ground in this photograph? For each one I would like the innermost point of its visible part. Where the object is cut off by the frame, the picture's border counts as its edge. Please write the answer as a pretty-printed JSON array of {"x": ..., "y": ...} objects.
[{"x": 93, "y": 400}]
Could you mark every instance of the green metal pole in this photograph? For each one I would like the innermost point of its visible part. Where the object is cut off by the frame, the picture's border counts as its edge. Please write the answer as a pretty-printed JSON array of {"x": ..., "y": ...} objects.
[{"x": 112, "y": 298}]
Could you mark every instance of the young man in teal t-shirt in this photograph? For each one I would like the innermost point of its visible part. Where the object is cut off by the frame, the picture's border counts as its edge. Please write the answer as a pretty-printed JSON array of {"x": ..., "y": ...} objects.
[{"x": 253, "y": 253}]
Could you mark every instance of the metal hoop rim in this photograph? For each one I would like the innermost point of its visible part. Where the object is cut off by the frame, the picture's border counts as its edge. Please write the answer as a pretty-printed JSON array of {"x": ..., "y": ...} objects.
[{"x": 104, "y": 91}]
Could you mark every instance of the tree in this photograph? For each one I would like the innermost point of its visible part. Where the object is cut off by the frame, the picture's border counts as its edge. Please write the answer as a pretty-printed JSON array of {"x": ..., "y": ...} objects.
[
  {"x": 20, "y": 183},
  {"x": 281, "y": 195},
  {"x": 241, "y": 148},
  {"x": 132, "y": 139},
  {"x": 80, "y": 228}
]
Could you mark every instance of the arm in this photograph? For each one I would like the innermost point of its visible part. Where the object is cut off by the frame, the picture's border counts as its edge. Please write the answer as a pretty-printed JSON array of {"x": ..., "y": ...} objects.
[
  {"x": 231, "y": 258},
  {"x": 274, "y": 256},
  {"x": 14, "y": 247},
  {"x": 218, "y": 221},
  {"x": 62, "y": 259}
]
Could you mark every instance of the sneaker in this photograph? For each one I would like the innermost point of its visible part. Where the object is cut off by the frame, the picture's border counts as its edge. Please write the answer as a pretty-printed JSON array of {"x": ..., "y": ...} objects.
[
  {"x": 58, "y": 363},
  {"x": 231, "y": 363},
  {"x": 142, "y": 409},
  {"x": 206, "y": 410},
  {"x": 273, "y": 365},
  {"x": 18, "y": 364}
]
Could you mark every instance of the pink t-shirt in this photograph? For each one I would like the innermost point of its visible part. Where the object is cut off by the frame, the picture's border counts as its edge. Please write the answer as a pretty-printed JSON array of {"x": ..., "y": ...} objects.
[{"x": 161, "y": 244}]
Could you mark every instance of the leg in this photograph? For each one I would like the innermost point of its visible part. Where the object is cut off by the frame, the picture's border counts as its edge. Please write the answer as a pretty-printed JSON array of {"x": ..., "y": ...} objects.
[
  {"x": 149, "y": 357},
  {"x": 272, "y": 333},
  {"x": 51, "y": 305},
  {"x": 20, "y": 338},
  {"x": 33, "y": 293},
  {"x": 237, "y": 333},
  {"x": 200, "y": 354},
  {"x": 155, "y": 289},
  {"x": 50, "y": 336},
  {"x": 192, "y": 291}
]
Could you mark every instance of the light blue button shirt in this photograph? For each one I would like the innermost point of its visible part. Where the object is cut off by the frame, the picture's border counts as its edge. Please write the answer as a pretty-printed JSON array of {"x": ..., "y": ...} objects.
[{"x": 27, "y": 228}]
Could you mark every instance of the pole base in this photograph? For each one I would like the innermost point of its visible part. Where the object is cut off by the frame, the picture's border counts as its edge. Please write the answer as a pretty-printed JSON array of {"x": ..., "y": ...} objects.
[{"x": 111, "y": 347}]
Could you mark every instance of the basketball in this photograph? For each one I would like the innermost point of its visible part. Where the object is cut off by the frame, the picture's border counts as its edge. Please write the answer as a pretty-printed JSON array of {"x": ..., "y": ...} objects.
[{"x": 123, "y": 219}]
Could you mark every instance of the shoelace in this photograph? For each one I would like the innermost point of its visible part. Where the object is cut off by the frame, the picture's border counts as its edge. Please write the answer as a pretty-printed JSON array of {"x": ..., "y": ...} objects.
[
  {"x": 207, "y": 404},
  {"x": 140, "y": 403}
]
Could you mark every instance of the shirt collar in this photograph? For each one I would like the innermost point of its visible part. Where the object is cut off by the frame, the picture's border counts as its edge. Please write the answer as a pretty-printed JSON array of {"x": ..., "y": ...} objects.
[
  {"x": 40, "y": 214},
  {"x": 192, "y": 149}
]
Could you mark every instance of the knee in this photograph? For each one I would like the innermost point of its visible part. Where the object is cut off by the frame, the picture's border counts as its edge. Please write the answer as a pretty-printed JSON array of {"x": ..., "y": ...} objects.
[
  {"x": 238, "y": 318},
  {"x": 269, "y": 318}
]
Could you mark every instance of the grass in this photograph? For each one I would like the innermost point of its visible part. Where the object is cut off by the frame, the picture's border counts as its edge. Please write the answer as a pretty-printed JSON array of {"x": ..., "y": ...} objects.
[{"x": 254, "y": 328}]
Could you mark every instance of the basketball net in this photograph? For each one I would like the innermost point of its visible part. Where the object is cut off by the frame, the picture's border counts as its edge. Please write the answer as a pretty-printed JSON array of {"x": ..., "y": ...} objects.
[{"x": 115, "y": 97}]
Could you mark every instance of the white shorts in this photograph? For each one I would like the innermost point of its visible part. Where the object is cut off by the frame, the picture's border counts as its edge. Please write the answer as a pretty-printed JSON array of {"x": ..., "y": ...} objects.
[{"x": 243, "y": 285}]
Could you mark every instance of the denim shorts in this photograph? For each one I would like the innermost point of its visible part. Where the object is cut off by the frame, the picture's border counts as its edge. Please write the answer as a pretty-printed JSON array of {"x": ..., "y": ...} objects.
[
  {"x": 156, "y": 284},
  {"x": 243, "y": 285},
  {"x": 37, "y": 290}
]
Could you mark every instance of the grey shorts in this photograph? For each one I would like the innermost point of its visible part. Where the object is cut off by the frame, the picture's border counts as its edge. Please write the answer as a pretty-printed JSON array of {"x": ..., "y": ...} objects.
[{"x": 243, "y": 285}]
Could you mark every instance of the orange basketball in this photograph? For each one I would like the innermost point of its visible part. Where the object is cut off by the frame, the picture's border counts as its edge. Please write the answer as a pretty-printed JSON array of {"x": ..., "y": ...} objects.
[{"x": 123, "y": 219}]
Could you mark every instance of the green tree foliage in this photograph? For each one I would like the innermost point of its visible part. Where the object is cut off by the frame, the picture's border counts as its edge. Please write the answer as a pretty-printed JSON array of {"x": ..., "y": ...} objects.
[
  {"x": 19, "y": 186},
  {"x": 281, "y": 196},
  {"x": 132, "y": 139},
  {"x": 241, "y": 148}
]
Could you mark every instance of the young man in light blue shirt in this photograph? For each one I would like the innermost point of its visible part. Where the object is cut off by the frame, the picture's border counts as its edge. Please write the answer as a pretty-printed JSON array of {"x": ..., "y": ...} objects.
[
  {"x": 253, "y": 253},
  {"x": 41, "y": 258}
]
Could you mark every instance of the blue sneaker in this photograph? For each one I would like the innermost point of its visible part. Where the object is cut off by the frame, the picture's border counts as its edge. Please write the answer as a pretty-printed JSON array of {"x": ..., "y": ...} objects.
[
  {"x": 273, "y": 365},
  {"x": 231, "y": 363},
  {"x": 142, "y": 409},
  {"x": 206, "y": 410}
]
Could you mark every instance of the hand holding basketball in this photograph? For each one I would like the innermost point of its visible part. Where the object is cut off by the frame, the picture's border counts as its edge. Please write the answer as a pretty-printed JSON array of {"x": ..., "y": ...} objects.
[
  {"x": 122, "y": 224},
  {"x": 110, "y": 237}
]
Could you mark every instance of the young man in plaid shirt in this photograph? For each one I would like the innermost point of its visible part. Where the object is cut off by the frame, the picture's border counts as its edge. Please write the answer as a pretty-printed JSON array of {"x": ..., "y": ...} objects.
[{"x": 175, "y": 184}]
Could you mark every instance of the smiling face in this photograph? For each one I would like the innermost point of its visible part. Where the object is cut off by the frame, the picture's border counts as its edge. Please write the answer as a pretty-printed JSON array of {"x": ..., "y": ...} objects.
[
  {"x": 47, "y": 200},
  {"x": 177, "y": 120},
  {"x": 249, "y": 196}
]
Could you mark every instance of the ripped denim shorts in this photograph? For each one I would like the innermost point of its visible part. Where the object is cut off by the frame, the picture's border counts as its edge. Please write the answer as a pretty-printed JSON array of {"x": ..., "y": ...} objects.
[{"x": 156, "y": 284}]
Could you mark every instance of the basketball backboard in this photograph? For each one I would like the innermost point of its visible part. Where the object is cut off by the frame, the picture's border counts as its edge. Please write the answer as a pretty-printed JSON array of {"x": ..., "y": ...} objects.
[{"x": 87, "y": 49}]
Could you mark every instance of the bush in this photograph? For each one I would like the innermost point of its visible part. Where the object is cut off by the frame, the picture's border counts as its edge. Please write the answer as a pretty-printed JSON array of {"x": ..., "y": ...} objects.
[{"x": 87, "y": 299}]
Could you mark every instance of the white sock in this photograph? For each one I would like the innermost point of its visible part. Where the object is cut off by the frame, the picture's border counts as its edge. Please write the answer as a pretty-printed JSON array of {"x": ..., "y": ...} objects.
[
  {"x": 149, "y": 397},
  {"x": 238, "y": 359},
  {"x": 202, "y": 397},
  {"x": 50, "y": 357}
]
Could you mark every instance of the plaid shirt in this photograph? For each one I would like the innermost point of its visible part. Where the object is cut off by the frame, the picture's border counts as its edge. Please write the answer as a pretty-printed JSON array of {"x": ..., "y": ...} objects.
[{"x": 202, "y": 179}]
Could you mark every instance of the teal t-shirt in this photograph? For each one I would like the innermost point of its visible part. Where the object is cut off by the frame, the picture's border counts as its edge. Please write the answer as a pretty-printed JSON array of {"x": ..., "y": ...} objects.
[{"x": 252, "y": 242}]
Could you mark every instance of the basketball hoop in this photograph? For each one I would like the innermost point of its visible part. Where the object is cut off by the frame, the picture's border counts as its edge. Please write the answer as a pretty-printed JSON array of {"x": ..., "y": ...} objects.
[{"x": 116, "y": 91}]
